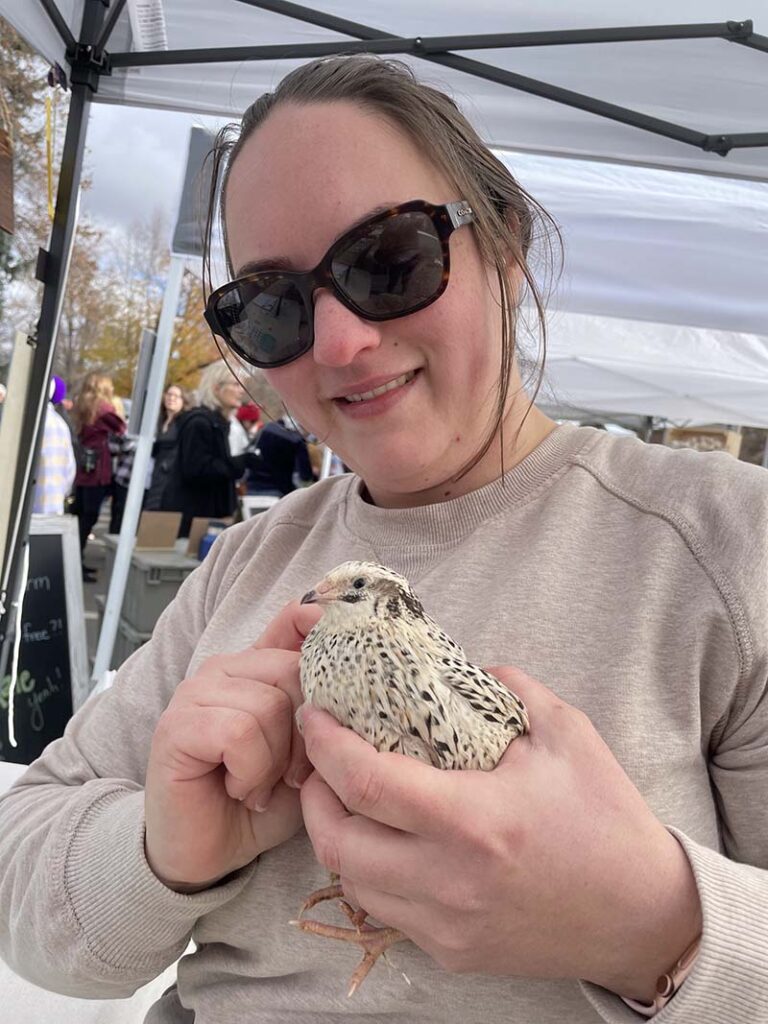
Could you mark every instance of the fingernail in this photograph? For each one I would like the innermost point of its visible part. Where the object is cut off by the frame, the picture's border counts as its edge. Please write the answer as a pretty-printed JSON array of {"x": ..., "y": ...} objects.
[
  {"x": 297, "y": 778},
  {"x": 304, "y": 713}
]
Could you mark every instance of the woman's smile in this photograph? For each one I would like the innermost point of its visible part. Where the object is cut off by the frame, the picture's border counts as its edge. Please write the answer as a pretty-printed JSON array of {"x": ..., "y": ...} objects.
[{"x": 375, "y": 399}]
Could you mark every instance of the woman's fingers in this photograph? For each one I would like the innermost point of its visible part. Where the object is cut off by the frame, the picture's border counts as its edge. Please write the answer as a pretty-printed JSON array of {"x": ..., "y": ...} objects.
[
  {"x": 290, "y": 626},
  {"x": 194, "y": 740},
  {"x": 390, "y": 788},
  {"x": 239, "y": 675}
]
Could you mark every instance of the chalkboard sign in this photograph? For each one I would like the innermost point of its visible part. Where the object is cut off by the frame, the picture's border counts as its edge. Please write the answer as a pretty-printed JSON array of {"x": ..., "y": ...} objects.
[{"x": 52, "y": 671}]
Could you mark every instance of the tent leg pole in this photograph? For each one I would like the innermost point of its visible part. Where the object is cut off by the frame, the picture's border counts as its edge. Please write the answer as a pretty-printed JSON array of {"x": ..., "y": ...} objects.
[
  {"x": 135, "y": 498},
  {"x": 54, "y": 276}
]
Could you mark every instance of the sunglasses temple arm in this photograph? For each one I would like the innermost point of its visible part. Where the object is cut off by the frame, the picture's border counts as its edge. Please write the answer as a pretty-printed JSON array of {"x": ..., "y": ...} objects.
[{"x": 460, "y": 213}]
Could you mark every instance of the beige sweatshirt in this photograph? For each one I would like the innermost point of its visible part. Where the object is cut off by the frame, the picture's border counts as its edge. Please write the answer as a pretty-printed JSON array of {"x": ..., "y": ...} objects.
[{"x": 631, "y": 579}]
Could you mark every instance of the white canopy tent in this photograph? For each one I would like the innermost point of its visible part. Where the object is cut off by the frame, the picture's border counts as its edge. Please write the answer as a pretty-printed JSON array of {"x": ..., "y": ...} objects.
[
  {"x": 605, "y": 366},
  {"x": 689, "y": 97}
]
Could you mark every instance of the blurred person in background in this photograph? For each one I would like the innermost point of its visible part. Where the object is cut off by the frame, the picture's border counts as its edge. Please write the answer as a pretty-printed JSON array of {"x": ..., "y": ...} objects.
[
  {"x": 239, "y": 436},
  {"x": 250, "y": 417},
  {"x": 56, "y": 466},
  {"x": 202, "y": 479},
  {"x": 123, "y": 450},
  {"x": 284, "y": 462},
  {"x": 175, "y": 401},
  {"x": 95, "y": 419}
]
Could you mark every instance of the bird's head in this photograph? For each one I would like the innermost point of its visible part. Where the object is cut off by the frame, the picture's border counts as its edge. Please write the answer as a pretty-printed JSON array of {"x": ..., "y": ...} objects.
[{"x": 356, "y": 592}]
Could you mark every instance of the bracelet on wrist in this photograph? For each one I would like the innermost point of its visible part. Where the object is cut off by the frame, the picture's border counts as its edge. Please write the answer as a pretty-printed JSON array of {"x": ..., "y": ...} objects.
[{"x": 668, "y": 984}]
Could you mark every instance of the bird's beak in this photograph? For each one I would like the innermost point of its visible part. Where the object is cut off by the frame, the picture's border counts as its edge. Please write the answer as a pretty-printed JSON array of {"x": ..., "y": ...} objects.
[{"x": 323, "y": 593}]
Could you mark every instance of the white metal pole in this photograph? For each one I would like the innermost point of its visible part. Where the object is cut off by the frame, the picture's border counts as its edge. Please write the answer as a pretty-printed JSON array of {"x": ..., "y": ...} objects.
[
  {"x": 135, "y": 495},
  {"x": 325, "y": 469}
]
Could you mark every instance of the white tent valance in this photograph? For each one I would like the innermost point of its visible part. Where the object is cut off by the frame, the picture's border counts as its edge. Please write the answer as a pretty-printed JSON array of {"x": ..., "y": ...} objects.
[{"x": 604, "y": 365}]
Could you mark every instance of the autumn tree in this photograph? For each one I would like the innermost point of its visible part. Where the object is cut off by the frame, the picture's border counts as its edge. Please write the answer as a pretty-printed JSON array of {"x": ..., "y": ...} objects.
[
  {"x": 23, "y": 87},
  {"x": 193, "y": 346}
]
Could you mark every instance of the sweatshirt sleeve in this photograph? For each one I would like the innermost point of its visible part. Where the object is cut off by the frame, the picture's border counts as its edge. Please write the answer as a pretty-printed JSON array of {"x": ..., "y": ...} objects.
[
  {"x": 729, "y": 981},
  {"x": 81, "y": 912}
]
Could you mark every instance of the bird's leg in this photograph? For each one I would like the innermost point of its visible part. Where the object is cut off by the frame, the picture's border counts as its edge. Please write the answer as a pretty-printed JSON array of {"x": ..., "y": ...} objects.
[
  {"x": 374, "y": 941},
  {"x": 330, "y": 892}
]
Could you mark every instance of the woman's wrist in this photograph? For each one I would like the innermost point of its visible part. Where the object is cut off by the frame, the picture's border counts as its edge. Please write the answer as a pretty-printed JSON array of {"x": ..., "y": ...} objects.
[{"x": 652, "y": 943}]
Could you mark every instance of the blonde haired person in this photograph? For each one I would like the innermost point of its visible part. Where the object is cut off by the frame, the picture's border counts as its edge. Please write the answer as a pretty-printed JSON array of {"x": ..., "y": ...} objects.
[
  {"x": 379, "y": 256},
  {"x": 201, "y": 481},
  {"x": 95, "y": 419}
]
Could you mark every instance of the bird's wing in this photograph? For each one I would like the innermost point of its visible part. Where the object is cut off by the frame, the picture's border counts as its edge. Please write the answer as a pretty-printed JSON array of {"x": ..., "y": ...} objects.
[{"x": 484, "y": 693}]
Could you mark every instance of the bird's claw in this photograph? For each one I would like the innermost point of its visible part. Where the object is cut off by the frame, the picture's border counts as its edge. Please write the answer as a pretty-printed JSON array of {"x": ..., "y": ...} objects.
[{"x": 374, "y": 941}]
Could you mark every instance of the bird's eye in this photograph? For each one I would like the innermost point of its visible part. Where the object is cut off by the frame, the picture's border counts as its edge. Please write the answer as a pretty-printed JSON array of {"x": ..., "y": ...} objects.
[{"x": 359, "y": 583}]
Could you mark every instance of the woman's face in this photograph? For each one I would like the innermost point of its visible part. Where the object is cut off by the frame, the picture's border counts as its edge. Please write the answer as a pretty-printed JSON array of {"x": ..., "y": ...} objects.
[
  {"x": 230, "y": 395},
  {"x": 306, "y": 176},
  {"x": 173, "y": 400}
]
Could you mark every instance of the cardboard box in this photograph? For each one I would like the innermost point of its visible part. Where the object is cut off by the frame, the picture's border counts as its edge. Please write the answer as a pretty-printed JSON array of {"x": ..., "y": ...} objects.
[{"x": 704, "y": 439}]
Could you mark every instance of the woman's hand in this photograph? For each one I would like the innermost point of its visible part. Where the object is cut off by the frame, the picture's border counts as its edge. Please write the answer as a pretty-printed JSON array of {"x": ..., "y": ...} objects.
[
  {"x": 552, "y": 865},
  {"x": 227, "y": 760}
]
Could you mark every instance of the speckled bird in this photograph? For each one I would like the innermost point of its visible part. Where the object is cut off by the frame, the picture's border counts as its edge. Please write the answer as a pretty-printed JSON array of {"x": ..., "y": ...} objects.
[{"x": 381, "y": 666}]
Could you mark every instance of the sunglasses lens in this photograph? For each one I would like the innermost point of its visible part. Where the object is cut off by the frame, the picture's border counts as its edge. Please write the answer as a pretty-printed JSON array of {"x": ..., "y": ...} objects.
[
  {"x": 265, "y": 319},
  {"x": 394, "y": 267}
]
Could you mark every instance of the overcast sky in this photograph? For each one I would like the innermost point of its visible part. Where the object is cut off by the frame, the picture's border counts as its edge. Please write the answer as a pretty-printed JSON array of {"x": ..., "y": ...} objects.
[{"x": 135, "y": 158}]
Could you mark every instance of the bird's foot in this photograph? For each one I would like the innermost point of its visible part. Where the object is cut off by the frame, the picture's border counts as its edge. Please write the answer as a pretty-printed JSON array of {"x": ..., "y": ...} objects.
[
  {"x": 329, "y": 892},
  {"x": 373, "y": 941}
]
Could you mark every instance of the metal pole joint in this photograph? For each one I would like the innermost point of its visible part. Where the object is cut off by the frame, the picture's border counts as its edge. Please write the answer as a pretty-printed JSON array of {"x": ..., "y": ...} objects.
[
  {"x": 720, "y": 144},
  {"x": 739, "y": 29},
  {"x": 87, "y": 65}
]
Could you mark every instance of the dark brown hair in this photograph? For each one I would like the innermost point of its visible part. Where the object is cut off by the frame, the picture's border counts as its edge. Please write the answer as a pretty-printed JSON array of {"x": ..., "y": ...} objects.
[{"x": 507, "y": 220}]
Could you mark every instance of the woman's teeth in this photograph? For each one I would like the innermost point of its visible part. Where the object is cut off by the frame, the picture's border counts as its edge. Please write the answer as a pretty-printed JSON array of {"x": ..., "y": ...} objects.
[{"x": 390, "y": 386}]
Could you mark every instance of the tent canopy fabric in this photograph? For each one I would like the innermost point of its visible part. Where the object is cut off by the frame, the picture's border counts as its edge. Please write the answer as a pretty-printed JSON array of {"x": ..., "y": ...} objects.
[
  {"x": 644, "y": 244},
  {"x": 603, "y": 365},
  {"x": 710, "y": 85}
]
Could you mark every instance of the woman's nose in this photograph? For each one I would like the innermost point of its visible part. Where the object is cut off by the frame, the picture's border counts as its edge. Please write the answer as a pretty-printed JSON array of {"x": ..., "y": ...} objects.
[{"x": 339, "y": 333}]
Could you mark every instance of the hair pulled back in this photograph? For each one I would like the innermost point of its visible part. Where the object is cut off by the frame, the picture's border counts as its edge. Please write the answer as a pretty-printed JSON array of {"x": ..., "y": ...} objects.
[{"x": 507, "y": 223}]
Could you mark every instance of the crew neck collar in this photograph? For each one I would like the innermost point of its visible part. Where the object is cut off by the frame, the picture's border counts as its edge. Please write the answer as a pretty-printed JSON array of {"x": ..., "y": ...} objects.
[{"x": 448, "y": 522}]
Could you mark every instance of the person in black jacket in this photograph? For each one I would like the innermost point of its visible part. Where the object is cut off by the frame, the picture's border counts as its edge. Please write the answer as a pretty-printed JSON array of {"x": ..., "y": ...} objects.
[
  {"x": 202, "y": 479},
  {"x": 284, "y": 458},
  {"x": 175, "y": 402}
]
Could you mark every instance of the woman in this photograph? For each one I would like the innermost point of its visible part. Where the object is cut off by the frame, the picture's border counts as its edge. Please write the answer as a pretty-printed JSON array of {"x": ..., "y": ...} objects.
[
  {"x": 96, "y": 420},
  {"x": 175, "y": 402},
  {"x": 201, "y": 480},
  {"x": 596, "y": 573}
]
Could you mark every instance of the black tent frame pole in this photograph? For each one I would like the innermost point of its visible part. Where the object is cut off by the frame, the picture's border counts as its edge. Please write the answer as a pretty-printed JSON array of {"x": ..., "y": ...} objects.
[
  {"x": 435, "y": 49},
  {"x": 52, "y": 267},
  {"x": 60, "y": 25}
]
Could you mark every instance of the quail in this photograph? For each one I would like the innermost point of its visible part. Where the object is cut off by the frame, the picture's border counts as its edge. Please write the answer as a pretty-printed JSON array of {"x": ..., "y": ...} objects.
[{"x": 382, "y": 667}]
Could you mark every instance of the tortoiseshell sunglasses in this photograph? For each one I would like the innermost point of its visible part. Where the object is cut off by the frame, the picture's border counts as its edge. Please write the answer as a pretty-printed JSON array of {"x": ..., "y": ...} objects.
[{"x": 391, "y": 265}]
